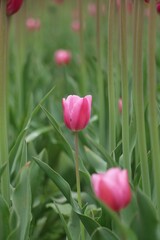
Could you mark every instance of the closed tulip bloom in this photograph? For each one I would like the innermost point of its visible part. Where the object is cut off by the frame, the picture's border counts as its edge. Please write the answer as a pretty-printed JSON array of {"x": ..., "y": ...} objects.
[
  {"x": 112, "y": 188},
  {"x": 13, "y": 6},
  {"x": 158, "y": 7},
  {"x": 76, "y": 111},
  {"x": 120, "y": 105},
  {"x": 62, "y": 57}
]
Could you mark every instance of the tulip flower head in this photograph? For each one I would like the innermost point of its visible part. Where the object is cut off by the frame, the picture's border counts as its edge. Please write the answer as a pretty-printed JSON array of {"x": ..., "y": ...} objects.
[
  {"x": 62, "y": 57},
  {"x": 92, "y": 9},
  {"x": 120, "y": 105},
  {"x": 33, "y": 24},
  {"x": 112, "y": 188},
  {"x": 13, "y": 6},
  {"x": 76, "y": 111},
  {"x": 158, "y": 7},
  {"x": 75, "y": 26}
]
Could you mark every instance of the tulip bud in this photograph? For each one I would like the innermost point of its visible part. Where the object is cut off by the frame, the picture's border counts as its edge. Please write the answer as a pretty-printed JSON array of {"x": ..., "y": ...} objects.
[
  {"x": 112, "y": 188},
  {"x": 120, "y": 105},
  {"x": 62, "y": 57},
  {"x": 13, "y": 6},
  {"x": 33, "y": 24},
  {"x": 76, "y": 111}
]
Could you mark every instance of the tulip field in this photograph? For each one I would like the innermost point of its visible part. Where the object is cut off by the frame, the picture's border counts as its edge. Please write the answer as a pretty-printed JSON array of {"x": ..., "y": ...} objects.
[{"x": 79, "y": 119}]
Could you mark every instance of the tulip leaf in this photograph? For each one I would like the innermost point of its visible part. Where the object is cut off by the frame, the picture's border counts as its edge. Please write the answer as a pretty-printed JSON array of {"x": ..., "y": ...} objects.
[
  {"x": 103, "y": 152},
  {"x": 147, "y": 224},
  {"x": 96, "y": 162},
  {"x": 21, "y": 207},
  {"x": 33, "y": 135},
  {"x": 64, "y": 222},
  {"x": 4, "y": 219},
  {"x": 64, "y": 187},
  {"x": 2, "y": 169},
  {"x": 104, "y": 234}
]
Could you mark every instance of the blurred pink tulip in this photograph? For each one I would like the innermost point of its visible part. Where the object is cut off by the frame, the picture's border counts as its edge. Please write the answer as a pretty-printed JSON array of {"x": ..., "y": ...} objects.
[
  {"x": 75, "y": 26},
  {"x": 62, "y": 57},
  {"x": 33, "y": 24},
  {"x": 58, "y": 1},
  {"x": 112, "y": 188},
  {"x": 120, "y": 105},
  {"x": 13, "y": 6},
  {"x": 92, "y": 9},
  {"x": 76, "y": 111}
]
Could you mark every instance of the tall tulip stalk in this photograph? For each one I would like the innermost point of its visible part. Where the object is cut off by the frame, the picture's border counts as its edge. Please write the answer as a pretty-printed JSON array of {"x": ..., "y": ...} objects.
[
  {"x": 3, "y": 102},
  {"x": 7, "y": 8}
]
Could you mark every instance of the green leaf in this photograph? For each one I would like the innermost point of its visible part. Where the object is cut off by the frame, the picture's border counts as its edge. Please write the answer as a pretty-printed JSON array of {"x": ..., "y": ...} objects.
[
  {"x": 4, "y": 219},
  {"x": 96, "y": 162},
  {"x": 21, "y": 207},
  {"x": 2, "y": 169},
  {"x": 147, "y": 222},
  {"x": 64, "y": 187},
  {"x": 63, "y": 221},
  {"x": 104, "y": 234},
  {"x": 103, "y": 152},
  {"x": 33, "y": 135}
]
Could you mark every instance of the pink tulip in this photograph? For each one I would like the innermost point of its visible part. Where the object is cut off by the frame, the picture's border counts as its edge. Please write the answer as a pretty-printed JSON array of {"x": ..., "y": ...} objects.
[
  {"x": 13, "y": 6},
  {"x": 120, "y": 105},
  {"x": 62, "y": 57},
  {"x": 112, "y": 188},
  {"x": 92, "y": 9},
  {"x": 76, "y": 111},
  {"x": 33, "y": 24},
  {"x": 76, "y": 26}
]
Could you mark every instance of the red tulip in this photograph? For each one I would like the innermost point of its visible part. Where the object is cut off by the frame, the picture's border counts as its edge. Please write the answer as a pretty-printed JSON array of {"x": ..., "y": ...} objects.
[
  {"x": 13, "y": 6},
  {"x": 112, "y": 188},
  {"x": 62, "y": 57},
  {"x": 76, "y": 111},
  {"x": 158, "y": 7}
]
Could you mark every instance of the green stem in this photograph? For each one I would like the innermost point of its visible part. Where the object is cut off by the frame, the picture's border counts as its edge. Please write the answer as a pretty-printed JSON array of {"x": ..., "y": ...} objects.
[
  {"x": 100, "y": 78},
  {"x": 78, "y": 182},
  {"x": 139, "y": 101},
  {"x": 152, "y": 100},
  {"x": 111, "y": 87},
  {"x": 5, "y": 191},
  {"x": 125, "y": 100},
  {"x": 83, "y": 82}
]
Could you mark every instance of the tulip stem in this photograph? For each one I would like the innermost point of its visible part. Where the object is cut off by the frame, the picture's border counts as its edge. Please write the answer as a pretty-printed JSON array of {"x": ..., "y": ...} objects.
[
  {"x": 139, "y": 101},
  {"x": 124, "y": 80},
  {"x": 111, "y": 86},
  {"x": 100, "y": 78},
  {"x": 82, "y": 53},
  {"x": 78, "y": 182},
  {"x": 3, "y": 102},
  {"x": 154, "y": 134}
]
